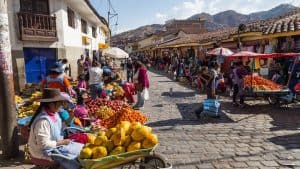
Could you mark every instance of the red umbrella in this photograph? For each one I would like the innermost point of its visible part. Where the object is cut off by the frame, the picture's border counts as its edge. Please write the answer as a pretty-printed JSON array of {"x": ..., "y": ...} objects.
[
  {"x": 259, "y": 55},
  {"x": 220, "y": 52},
  {"x": 247, "y": 54}
]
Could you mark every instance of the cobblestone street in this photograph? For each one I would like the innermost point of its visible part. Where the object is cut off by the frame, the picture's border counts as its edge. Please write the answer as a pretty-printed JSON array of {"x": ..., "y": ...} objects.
[{"x": 259, "y": 136}]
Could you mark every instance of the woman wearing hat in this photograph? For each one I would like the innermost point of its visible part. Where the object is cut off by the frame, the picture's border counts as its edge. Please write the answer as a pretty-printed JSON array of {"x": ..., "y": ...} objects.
[{"x": 46, "y": 131}]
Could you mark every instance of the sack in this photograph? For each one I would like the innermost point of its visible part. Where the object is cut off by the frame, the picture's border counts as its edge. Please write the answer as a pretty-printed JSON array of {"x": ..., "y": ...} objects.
[
  {"x": 145, "y": 94},
  {"x": 211, "y": 107}
]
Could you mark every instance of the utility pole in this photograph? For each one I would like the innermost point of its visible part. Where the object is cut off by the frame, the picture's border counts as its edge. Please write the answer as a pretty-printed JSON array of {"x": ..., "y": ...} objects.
[{"x": 9, "y": 135}]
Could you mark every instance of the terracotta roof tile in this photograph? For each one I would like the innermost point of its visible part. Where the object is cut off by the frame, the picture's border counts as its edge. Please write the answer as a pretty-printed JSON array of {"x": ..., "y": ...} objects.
[{"x": 284, "y": 24}]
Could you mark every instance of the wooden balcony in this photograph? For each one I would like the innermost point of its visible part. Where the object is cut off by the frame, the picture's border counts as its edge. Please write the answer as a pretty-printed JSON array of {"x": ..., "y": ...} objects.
[{"x": 37, "y": 27}]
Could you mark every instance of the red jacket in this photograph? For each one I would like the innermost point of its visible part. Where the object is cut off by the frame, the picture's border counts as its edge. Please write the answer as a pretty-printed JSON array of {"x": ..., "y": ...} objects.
[{"x": 143, "y": 77}]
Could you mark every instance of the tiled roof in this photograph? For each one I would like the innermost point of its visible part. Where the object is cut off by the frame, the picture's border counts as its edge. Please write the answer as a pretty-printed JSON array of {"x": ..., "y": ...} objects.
[
  {"x": 289, "y": 23},
  {"x": 190, "y": 38}
]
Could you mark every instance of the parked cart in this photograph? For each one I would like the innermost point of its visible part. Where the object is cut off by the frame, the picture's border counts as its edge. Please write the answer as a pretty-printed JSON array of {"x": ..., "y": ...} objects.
[
  {"x": 273, "y": 96},
  {"x": 143, "y": 159}
]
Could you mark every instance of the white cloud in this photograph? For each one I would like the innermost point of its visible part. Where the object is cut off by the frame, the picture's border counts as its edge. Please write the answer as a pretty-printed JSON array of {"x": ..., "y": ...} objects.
[
  {"x": 161, "y": 17},
  {"x": 191, "y": 7}
]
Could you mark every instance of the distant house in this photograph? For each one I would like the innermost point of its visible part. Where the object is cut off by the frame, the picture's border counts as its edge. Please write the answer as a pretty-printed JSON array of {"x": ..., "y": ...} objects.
[
  {"x": 191, "y": 26},
  {"x": 42, "y": 31}
]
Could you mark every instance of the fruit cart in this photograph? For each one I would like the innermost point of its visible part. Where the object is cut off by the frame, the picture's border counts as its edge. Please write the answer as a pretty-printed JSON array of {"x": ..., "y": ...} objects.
[
  {"x": 272, "y": 94},
  {"x": 143, "y": 159}
]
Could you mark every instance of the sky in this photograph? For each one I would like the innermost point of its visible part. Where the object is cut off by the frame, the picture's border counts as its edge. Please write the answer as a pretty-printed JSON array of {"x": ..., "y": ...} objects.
[{"x": 135, "y": 13}]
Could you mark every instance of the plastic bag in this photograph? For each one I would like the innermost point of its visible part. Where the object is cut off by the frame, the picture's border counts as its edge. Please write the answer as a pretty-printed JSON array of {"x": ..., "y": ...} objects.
[{"x": 145, "y": 94}]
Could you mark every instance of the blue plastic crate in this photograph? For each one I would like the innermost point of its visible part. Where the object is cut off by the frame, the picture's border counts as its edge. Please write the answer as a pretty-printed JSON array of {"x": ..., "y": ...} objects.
[{"x": 211, "y": 107}]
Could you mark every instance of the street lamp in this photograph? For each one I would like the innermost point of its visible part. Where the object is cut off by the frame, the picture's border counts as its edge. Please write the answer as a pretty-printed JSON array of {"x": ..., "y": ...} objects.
[{"x": 241, "y": 28}]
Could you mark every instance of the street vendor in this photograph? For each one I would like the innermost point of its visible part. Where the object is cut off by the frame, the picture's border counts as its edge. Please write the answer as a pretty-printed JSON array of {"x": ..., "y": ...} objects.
[
  {"x": 46, "y": 136},
  {"x": 57, "y": 79},
  {"x": 238, "y": 89}
]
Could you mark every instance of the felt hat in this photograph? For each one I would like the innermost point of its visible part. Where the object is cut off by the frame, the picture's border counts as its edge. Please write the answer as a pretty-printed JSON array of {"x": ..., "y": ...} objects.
[{"x": 51, "y": 95}]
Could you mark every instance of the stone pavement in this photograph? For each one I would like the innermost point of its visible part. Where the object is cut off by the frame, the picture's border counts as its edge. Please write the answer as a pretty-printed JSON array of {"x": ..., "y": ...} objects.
[{"x": 260, "y": 136}]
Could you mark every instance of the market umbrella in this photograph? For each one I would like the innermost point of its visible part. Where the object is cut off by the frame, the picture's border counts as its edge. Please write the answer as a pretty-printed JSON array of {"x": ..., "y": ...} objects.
[
  {"x": 260, "y": 55},
  {"x": 245, "y": 54},
  {"x": 220, "y": 52},
  {"x": 115, "y": 52}
]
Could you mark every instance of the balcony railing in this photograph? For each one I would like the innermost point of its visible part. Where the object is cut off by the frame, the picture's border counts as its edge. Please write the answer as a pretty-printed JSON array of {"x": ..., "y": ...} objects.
[{"x": 36, "y": 27}]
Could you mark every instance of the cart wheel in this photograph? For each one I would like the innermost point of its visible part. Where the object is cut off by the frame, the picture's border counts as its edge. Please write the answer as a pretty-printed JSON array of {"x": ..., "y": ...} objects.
[
  {"x": 155, "y": 161},
  {"x": 272, "y": 100}
]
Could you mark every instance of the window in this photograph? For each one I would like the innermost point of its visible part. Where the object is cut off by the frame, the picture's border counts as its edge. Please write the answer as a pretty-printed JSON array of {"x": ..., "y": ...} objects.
[
  {"x": 94, "y": 32},
  {"x": 35, "y": 6},
  {"x": 83, "y": 26},
  {"x": 71, "y": 18}
]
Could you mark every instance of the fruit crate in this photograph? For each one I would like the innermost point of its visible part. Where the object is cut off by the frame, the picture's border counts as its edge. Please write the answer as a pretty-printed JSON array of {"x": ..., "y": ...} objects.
[{"x": 115, "y": 160}]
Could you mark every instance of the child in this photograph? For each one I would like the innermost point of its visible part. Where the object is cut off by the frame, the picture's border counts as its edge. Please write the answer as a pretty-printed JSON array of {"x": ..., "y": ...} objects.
[
  {"x": 82, "y": 85},
  {"x": 130, "y": 91},
  {"x": 80, "y": 110}
]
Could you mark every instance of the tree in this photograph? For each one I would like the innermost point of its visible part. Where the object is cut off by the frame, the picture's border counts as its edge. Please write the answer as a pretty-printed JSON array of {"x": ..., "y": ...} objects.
[{"x": 8, "y": 117}]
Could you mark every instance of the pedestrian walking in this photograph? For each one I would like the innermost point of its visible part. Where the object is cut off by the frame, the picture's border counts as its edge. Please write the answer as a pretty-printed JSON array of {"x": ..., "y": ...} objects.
[
  {"x": 95, "y": 80},
  {"x": 142, "y": 85},
  {"x": 80, "y": 65},
  {"x": 129, "y": 70}
]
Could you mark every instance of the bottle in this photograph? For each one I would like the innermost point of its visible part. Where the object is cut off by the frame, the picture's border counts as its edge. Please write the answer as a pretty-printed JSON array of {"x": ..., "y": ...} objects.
[{"x": 171, "y": 91}]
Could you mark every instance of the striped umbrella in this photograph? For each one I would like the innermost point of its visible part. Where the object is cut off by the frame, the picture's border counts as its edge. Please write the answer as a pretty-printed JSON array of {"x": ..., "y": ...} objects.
[{"x": 220, "y": 52}]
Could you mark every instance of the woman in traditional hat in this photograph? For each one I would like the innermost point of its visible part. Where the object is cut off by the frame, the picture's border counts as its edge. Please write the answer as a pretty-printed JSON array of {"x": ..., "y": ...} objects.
[{"x": 46, "y": 132}]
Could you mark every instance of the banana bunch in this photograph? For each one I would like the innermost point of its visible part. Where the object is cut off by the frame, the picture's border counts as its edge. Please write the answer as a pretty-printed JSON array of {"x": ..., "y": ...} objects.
[
  {"x": 28, "y": 110},
  {"x": 18, "y": 99},
  {"x": 118, "y": 91},
  {"x": 36, "y": 95}
]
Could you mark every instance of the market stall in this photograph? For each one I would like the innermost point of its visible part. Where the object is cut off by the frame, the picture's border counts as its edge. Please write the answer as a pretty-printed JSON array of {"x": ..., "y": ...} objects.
[
  {"x": 258, "y": 86},
  {"x": 115, "y": 134}
]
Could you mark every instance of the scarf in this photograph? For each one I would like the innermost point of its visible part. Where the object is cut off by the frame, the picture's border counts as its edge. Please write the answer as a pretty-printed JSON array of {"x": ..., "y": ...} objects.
[{"x": 51, "y": 115}]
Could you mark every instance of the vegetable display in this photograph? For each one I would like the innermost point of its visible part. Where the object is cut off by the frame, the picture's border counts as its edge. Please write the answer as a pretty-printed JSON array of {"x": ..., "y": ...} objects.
[
  {"x": 115, "y": 105},
  {"x": 124, "y": 137},
  {"x": 126, "y": 114},
  {"x": 260, "y": 83}
]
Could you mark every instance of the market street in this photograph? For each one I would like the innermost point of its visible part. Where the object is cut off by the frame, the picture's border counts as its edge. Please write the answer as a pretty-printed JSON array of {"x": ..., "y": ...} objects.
[
  {"x": 255, "y": 138},
  {"x": 261, "y": 137}
]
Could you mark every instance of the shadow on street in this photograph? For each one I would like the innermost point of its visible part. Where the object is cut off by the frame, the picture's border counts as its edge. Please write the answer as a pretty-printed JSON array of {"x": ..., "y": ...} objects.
[
  {"x": 179, "y": 94},
  {"x": 283, "y": 118},
  {"x": 187, "y": 111},
  {"x": 287, "y": 141}
]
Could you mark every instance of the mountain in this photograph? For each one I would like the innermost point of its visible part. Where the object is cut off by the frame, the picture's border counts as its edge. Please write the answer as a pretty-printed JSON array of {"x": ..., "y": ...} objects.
[
  {"x": 223, "y": 19},
  {"x": 230, "y": 18},
  {"x": 277, "y": 11},
  {"x": 138, "y": 33}
]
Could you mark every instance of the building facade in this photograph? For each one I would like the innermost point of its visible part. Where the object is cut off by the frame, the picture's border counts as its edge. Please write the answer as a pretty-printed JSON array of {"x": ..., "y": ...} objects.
[{"x": 42, "y": 31}]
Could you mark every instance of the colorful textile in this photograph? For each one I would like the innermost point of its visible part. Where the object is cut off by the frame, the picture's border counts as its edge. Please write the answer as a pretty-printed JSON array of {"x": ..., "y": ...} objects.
[
  {"x": 79, "y": 138},
  {"x": 81, "y": 111}
]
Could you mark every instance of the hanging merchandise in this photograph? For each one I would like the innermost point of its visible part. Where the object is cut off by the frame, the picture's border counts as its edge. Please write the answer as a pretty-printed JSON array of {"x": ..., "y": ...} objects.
[
  {"x": 257, "y": 64},
  {"x": 268, "y": 49}
]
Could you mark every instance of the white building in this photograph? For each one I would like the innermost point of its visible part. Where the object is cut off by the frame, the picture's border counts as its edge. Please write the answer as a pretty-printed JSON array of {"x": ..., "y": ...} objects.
[{"x": 42, "y": 31}]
